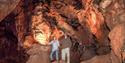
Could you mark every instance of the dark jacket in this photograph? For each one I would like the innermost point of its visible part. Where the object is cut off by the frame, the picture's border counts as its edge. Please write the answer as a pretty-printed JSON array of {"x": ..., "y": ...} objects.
[{"x": 64, "y": 43}]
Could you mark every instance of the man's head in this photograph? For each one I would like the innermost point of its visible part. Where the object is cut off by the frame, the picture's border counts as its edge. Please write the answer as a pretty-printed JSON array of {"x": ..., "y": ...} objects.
[
  {"x": 54, "y": 38},
  {"x": 64, "y": 34}
]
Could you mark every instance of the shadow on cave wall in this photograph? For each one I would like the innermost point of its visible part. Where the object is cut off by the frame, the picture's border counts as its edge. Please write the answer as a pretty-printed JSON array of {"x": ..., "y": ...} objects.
[{"x": 8, "y": 42}]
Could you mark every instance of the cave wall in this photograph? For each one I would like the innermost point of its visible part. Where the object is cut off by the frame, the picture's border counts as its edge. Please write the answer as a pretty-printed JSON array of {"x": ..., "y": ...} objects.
[
  {"x": 9, "y": 42},
  {"x": 82, "y": 20},
  {"x": 113, "y": 14},
  {"x": 6, "y": 7},
  {"x": 75, "y": 10},
  {"x": 23, "y": 13},
  {"x": 14, "y": 27}
]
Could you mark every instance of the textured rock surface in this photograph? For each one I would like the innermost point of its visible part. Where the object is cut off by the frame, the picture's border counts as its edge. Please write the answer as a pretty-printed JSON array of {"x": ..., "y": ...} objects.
[
  {"x": 108, "y": 58},
  {"x": 6, "y": 7},
  {"x": 85, "y": 21},
  {"x": 38, "y": 54},
  {"x": 117, "y": 37},
  {"x": 114, "y": 13}
]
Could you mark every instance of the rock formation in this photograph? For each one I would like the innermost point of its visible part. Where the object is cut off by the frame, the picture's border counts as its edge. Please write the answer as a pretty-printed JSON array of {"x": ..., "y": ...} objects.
[{"x": 96, "y": 28}]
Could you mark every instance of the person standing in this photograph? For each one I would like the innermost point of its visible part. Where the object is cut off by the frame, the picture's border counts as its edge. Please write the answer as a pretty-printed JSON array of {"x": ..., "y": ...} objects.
[
  {"x": 55, "y": 49},
  {"x": 65, "y": 45}
]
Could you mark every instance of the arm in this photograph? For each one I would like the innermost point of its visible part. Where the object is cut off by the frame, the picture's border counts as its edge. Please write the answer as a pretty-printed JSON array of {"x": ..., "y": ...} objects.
[{"x": 50, "y": 43}]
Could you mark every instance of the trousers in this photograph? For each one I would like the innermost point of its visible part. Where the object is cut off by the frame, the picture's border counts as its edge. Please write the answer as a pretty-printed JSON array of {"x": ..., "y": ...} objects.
[
  {"x": 54, "y": 54},
  {"x": 66, "y": 54}
]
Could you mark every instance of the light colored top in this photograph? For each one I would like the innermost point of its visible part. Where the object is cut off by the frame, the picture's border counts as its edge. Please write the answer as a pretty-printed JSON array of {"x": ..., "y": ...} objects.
[{"x": 55, "y": 44}]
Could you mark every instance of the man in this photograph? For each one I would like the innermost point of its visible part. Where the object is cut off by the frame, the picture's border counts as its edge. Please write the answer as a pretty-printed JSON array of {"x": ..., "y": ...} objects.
[
  {"x": 65, "y": 45},
  {"x": 55, "y": 48}
]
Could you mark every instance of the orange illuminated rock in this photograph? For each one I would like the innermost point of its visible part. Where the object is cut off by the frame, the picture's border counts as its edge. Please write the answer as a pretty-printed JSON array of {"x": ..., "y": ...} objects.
[
  {"x": 95, "y": 20},
  {"x": 117, "y": 37},
  {"x": 40, "y": 28},
  {"x": 57, "y": 33},
  {"x": 29, "y": 40}
]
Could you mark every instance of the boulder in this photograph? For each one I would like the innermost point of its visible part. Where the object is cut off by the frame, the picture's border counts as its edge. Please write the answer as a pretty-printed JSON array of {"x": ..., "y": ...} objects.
[
  {"x": 108, "y": 58},
  {"x": 38, "y": 54}
]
